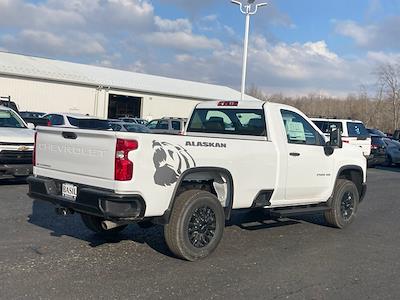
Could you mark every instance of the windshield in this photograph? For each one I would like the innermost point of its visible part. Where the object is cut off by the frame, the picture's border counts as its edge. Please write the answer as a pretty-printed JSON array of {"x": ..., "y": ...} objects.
[{"x": 10, "y": 119}]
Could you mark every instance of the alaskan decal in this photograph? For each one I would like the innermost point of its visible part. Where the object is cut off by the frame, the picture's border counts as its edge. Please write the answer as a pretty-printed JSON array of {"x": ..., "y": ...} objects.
[
  {"x": 205, "y": 144},
  {"x": 170, "y": 161}
]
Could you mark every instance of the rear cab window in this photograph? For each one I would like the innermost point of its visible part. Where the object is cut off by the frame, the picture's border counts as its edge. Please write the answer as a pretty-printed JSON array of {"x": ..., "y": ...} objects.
[
  {"x": 357, "y": 129},
  {"x": 326, "y": 126},
  {"x": 249, "y": 122}
]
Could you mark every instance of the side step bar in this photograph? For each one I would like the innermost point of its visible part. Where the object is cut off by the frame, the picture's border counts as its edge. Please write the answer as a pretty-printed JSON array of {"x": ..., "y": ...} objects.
[{"x": 289, "y": 212}]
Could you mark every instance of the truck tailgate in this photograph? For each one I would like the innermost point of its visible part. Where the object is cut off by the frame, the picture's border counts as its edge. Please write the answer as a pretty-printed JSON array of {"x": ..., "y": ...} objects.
[{"x": 85, "y": 153}]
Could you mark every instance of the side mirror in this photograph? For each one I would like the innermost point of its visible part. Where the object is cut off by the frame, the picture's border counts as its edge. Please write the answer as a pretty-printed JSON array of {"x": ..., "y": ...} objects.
[
  {"x": 31, "y": 125},
  {"x": 336, "y": 138}
]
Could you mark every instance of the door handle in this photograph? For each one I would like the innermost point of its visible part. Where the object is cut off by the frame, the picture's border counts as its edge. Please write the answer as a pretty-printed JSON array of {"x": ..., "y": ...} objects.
[
  {"x": 294, "y": 154},
  {"x": 69, "y": 135}
]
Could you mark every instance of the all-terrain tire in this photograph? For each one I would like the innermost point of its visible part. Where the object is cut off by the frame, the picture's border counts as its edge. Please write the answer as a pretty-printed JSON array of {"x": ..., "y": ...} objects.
[
  {"x": 343, "y": 205},
  {"x": 196, "y": 225},
  {"x": 94, "y": 224}
]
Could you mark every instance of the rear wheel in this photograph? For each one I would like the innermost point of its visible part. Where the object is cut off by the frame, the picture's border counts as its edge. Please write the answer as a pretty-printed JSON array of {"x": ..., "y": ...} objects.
[
  {"x": 196, "y": 225},
  {"x": 344, "y": 204},
  {"x": 94, "y": 224}
]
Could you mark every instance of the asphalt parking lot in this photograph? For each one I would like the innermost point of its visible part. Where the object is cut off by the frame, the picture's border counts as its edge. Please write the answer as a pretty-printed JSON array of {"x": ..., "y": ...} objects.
[{"x": 44, "y": 256}]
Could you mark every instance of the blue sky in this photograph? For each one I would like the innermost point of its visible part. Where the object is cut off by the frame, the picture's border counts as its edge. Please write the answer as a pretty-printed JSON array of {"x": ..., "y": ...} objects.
[{"x": 296, "y": 47}]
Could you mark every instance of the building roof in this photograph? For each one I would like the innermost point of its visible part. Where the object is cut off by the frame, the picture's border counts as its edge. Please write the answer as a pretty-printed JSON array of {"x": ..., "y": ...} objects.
[{"x": 61, "y": 71}]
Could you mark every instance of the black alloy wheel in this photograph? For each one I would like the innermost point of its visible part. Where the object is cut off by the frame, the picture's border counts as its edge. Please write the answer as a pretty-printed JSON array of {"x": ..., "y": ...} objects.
[{"x": 202, "y": 227}]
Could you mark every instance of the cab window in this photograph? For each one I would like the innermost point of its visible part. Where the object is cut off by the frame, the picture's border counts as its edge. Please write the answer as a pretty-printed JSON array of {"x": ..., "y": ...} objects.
[
  {"x": 298, "y": 130},
  {"x": 55, "y": 119},
  {"x": 249, "y": 122},
  {"x": 176, "y": 125}
]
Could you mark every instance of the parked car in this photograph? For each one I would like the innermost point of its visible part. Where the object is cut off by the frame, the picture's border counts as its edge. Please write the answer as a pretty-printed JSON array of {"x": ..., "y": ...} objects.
[
  {"x": 31, "y": 114},
  {"x": 76, "y": 121},
  {"x": 374, "y": 131},
  {"x": 396, "y": 135},
  {"x": 353, "y": 131},
  {"x": 273, "y": 157},
  {"x": 134, "y": 120},
  {"x": 168, "y": 125},
  {"x": 34, "y": 118},
  {"x": 378, "y": 151},
  {"x": 128, "y": 127},
  {"x": 16, "y": 144},
  {"x": 392, "y": 152}
]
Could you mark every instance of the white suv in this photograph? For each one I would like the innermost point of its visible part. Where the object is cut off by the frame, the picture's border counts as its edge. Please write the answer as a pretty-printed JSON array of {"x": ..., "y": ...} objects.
[{"x": 353, "y": 132}]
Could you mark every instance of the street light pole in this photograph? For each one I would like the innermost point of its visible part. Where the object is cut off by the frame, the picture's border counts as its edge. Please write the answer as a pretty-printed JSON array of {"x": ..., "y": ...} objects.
[
  {"x": 248, "y": 10},
  {"x": 245, "y": 56}
]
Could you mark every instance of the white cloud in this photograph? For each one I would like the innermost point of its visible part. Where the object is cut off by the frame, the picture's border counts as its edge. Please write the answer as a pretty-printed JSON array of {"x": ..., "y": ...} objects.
[
  {"x": 361, "y": 35},
  {"x": 376, "y": 36},
  {"x": 51, "y": 44},
  {"x": 185, "y": 41},
  {"x": 19, "y": 14},
  {"x": 193, "y": 6},
  {"x": 173, "y": 25},
  {"x": 295, "y": 69}
]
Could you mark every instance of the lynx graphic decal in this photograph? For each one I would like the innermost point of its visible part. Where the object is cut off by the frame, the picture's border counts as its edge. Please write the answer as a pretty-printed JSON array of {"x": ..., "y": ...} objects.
[{"x": 170, "y": 161}]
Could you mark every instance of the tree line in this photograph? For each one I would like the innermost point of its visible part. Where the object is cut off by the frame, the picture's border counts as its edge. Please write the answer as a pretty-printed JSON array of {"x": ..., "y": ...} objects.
[{"x": 380, "y": 110}]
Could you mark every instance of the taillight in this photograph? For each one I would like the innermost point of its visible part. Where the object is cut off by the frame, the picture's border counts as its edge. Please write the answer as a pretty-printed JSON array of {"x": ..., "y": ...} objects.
[
  {"x": 49, "y": 123},
  {"x": 123, "y": 166},
  {"x": 374, "y": 147},
  {"x": 34, "y": 151}
]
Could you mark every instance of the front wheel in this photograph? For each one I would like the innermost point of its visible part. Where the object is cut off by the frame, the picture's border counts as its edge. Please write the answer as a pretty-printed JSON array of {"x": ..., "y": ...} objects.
[
  {"x": 196, "y": 225},
  {"x": 343, "y": 205}
]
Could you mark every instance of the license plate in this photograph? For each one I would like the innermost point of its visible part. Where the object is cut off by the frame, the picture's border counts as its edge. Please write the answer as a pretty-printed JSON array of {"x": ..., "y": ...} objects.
[{"x": 69, "y": 191}]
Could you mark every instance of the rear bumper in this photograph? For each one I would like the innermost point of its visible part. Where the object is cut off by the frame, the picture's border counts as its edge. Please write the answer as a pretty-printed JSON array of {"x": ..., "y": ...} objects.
[
  {"x": 15, "y": 170},
  {"x": 90, "y": 200}
]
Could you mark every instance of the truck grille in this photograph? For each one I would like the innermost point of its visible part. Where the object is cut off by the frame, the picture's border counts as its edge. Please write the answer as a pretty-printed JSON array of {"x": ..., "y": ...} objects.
[{"x": 15, "y": 157}]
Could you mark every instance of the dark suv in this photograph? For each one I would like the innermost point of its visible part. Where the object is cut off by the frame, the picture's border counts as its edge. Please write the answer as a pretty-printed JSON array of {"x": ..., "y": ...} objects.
[{"x": 378, "y": 151}]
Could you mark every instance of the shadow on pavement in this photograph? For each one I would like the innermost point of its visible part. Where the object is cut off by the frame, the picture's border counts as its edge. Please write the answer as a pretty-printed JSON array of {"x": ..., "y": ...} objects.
[
  {"x": 13, "y": 181},
  {"x": 43, "y": 215},
  {"x": 389, "y": 169}
]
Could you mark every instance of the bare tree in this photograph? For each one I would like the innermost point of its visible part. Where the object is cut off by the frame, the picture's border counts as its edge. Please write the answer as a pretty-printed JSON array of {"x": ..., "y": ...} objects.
[
  {"x": 255, "y": 92},
  {"x": 389, "y": 79}
]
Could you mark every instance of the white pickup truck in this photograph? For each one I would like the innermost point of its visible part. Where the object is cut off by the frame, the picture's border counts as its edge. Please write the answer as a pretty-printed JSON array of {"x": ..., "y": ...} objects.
[
  {"x": 16, "y": 145},
  {"x": 234, "y": 155}
]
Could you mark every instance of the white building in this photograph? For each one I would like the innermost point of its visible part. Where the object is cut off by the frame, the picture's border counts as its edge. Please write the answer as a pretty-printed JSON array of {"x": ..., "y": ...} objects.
[{"x": 39, "y": 84}]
